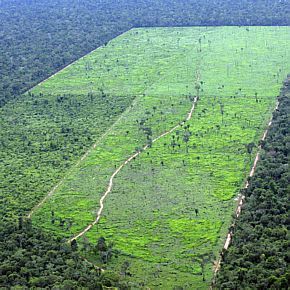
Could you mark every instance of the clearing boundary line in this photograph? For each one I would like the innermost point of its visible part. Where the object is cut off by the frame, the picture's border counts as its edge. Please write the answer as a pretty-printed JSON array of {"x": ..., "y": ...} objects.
[
  {"x": 52, "y": 191},
  {"x": 241, "y": 201}
]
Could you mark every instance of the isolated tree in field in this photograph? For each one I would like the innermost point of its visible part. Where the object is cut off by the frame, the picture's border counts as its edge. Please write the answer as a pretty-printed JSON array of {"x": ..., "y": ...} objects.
[
  {"x": 105, "y": 256},
  {"x": 149, "y": 143},
  {"x": 186, "y": 137},
  {"x": 148, "y": 134},
  {"x": 86, "y": 243},
  {"x": 197, "y": 87},
  {"x": 68, "y": 224},
  {"x": 250, "y": 147},
  {"x": 52, "y": 217},
  {"x": 222, "y": 111},
  {"x": 124, "y": 268},
  {"x": 191, "y": 98},
  {"x": 61, "y": 222},
  {"x": 173, "y": 143},
  {"x": 101, "y": 245}
]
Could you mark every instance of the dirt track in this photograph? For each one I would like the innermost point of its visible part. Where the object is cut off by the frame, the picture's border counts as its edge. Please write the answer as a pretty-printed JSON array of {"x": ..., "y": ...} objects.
[
  {"x": 110, "y": 186},
  {"x": 52, "y": 191},
  {"x": 242, "y": 197}
]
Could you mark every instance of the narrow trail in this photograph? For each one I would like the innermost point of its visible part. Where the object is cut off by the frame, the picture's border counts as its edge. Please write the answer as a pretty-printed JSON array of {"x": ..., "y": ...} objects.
[
  {"x": 241, "y": 200},
  {"x": 52, "y": 191},
  {"x": 110, "y": 186},
  {"x": 100, "y": 270}
]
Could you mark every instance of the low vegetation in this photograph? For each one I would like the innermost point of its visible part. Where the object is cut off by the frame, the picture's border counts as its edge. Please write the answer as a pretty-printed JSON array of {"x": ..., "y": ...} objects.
[
  {"x": 186, "y": 180},
  {"x": 166, "y": 218}
]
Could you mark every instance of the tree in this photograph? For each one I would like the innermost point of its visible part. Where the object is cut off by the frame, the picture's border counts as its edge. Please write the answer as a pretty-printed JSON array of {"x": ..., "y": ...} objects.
[
  {"x": 124, "y": 268},
  {"x": 101, "y": 245},
  {"x": 52, "y": 217},
  {"x": 20, "y": 222},
  {"x": 186, "y": 137},
  {"x": 74, "y": 245},
  {"x": 250, "y": 147},
  {"x": 257, "y": 257},
  {"x": 222, "y": 111}
]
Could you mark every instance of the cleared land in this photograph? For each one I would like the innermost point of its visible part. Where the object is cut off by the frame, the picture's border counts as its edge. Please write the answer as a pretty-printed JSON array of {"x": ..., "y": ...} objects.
[{"x": 150, "y": 213}]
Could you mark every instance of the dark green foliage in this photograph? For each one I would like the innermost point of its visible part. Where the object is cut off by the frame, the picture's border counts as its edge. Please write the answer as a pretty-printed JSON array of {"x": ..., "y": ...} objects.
[
  {"x": 36, "y": 39},
  {"x": 39, "y": 37},
  {"x": 257, "y": 258},
  {"x": 101, "y": 245},
  {"x": 42, "y": 137},
  {"x": 30, "y": 258}
]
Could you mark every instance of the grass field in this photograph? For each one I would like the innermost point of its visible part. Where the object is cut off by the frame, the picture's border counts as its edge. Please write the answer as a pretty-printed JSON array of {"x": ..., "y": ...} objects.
[{"x": 150, "y": 214}]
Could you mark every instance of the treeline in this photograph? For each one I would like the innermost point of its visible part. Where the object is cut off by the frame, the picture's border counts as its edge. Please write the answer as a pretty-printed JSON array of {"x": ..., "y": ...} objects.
[
  {"x": 258, "y": 257},
  {"x": 41, "y": 137},
  {"x": 39, "y": 37},
  {"x": 31, "y": 259},
  {"x": 36, "y": 39}
]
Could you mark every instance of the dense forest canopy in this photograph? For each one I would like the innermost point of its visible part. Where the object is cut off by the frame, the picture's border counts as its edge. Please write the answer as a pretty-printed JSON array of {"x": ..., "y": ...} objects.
[{"x": 39, "y": 37}]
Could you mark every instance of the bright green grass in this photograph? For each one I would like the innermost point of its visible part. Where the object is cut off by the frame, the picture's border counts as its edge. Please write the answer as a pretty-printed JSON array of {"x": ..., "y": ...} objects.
[{"x": 150, "y": 213}]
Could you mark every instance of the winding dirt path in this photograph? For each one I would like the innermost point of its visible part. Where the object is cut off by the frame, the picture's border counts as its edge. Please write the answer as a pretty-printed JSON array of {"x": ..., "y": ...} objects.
[
  {"x": 52, "y": 191},
  {"x": 110, "y": 186},
  {"x": 242, "y": 199}
]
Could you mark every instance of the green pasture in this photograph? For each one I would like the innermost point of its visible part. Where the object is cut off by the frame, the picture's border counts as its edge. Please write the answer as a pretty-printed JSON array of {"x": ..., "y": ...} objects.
[{"x": 150, "y": 215}]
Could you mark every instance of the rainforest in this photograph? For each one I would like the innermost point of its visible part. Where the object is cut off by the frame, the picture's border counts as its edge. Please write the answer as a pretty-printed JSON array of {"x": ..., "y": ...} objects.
[{"x": 144, "y": 145}]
